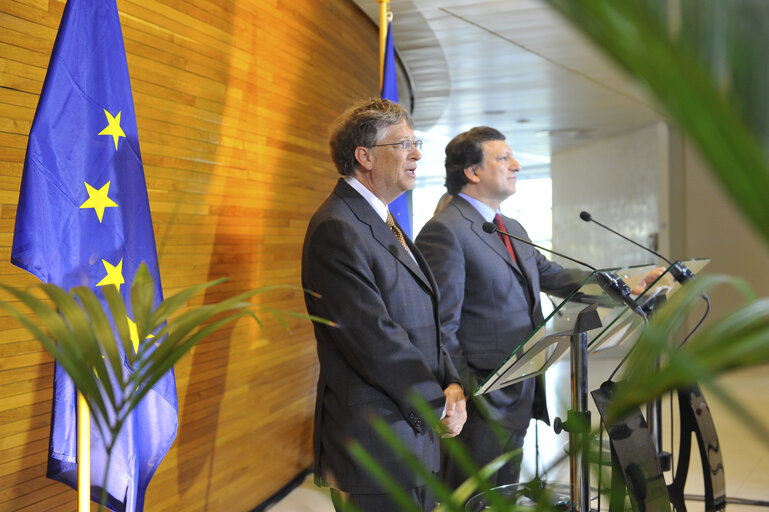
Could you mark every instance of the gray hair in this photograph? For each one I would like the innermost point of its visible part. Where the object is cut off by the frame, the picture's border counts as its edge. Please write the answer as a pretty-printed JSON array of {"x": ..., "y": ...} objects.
[{"x": 360, "y": 125}]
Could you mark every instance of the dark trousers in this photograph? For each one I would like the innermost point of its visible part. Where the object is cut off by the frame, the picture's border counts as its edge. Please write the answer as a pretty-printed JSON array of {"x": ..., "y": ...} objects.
[
  {"x": 496, "y": 423},
  {"x": 484, "y": 441},
  {"x": 421, "y": 496}
]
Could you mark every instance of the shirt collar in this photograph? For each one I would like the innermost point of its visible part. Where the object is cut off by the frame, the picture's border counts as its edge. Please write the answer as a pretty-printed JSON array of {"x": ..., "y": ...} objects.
[
  {"x": 486, "y": 211},
  {"x": 379, "y": 207}
]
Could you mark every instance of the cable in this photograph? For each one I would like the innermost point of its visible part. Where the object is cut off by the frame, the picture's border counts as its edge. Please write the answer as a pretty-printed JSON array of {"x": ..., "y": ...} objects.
[
  {"x": 600, "y": 461},
  {"x": 536, "y": 449},
  {"x": 625, "y": 357},
  {"x": 707, "y": 310},
  {"x": 672, "y": 434}
]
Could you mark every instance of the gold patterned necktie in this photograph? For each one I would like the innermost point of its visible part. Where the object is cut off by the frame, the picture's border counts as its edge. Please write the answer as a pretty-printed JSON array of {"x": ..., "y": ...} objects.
[{"x": 397, "y": 232}]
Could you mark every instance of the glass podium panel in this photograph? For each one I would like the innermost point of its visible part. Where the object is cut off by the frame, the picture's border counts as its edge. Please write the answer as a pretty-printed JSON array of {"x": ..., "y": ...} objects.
[
  {"x": 623, "y": 328},
  {"x": 552, "y": 338}
]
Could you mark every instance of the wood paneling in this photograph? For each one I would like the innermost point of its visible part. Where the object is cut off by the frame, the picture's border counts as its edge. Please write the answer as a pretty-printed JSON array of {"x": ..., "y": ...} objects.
[{"x": 234, "y": 99}]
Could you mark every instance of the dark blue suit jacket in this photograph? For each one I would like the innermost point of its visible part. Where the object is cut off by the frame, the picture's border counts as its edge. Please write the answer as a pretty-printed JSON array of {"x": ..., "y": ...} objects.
[{"x": 385, "y": 348}]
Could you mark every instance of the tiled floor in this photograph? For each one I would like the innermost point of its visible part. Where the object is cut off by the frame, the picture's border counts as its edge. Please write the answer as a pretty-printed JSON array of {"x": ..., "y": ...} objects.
[
  {"x": 305, "y": 498},
  {"x": 745, "y": 453}
]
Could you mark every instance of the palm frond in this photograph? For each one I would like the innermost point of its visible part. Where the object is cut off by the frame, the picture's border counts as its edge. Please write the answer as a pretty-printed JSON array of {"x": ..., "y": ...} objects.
[{"x": 91, "y": 339}]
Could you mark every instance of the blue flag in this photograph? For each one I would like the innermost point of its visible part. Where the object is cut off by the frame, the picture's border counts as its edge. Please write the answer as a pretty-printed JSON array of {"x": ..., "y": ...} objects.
[
  {"x": 83, "y": 219},
  {"x": 389, "y": 75},
  {"x": 400, "y": 207}
]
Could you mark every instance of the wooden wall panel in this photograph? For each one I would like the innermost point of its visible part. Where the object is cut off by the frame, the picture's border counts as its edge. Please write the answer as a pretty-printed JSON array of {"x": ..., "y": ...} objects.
[{"x": 233, "y": 99}]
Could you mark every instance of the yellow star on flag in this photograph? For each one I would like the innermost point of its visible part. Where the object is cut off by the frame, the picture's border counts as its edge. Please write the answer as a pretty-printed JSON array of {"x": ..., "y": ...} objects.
[
  {"x": 114, "y": 274},
  {"x": 98, "y": 200},
  {"x": 134, "y": 332},
  {"x": 113, "y": 127}
]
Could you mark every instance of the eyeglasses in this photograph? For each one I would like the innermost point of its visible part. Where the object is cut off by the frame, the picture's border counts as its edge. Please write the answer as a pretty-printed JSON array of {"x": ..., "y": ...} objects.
[{"x": 404, "y": 144}]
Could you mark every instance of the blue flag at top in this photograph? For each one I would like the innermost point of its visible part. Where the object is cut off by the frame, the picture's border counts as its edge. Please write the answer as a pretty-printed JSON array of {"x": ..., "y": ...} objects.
[
  {"x": 83, "y": 219},
  {"x": 389, "y": 75},
  {"x": 400, "y": 207}
]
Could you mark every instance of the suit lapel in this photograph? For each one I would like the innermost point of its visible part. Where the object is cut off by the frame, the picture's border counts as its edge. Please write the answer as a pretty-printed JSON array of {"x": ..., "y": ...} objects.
[
  {"x": 491, "y": 240},
  {"x": 521, "y": 248},
  {"x": 381, "y": 233},
  {"x": 421, "y": 263}
]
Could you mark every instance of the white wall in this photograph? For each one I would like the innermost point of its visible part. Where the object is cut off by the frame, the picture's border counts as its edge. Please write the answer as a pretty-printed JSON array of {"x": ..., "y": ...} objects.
[
  {"x": 616, "y": 181},
  {"x": 714, "y": 228}
]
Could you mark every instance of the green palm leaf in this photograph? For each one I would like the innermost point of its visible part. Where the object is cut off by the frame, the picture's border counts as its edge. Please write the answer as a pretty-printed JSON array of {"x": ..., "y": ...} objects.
[
  {"x": 635, "y": 35},
  {"x": 738, "y": 340},
  {"x": 92, "y": 342}
]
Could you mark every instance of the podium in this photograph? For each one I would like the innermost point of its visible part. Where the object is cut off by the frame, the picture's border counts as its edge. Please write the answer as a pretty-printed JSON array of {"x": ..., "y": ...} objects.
[
  {"x": 552, "y": 339},
  {"x": 594, "y": 317},
  {"x": 622, "y": 328}
]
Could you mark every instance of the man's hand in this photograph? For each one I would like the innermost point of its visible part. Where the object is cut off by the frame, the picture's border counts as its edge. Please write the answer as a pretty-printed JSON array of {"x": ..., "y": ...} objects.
[
  {"x": 647, "y": 280},
  {"x": 456, "y": 411}
]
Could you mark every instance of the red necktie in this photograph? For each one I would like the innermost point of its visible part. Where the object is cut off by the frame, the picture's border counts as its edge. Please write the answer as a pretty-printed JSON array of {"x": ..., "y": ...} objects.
[{"x": 505, "y": 239}]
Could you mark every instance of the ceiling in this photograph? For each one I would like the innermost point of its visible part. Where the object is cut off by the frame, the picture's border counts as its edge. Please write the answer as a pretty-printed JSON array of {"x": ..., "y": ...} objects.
[{"x": 512, "y": 64}]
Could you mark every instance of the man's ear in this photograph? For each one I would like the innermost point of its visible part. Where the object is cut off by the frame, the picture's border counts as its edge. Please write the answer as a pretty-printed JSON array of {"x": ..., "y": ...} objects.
[
  {"x": 363, "y": 157},
  {"x": 471, "y": 173}
]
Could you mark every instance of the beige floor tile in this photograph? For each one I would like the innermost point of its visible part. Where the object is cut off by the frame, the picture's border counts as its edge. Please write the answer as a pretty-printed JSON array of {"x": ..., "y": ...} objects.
[{"x": 306, "y": 498}]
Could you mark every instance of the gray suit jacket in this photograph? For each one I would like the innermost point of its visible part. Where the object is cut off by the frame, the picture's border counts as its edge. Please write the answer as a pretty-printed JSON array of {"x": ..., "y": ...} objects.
[
  {"x": 385, "y": 348},
  {"x": 489, "y": 304}
]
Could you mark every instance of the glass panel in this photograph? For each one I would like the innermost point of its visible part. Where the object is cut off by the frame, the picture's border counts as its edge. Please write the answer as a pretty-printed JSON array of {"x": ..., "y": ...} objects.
[{"x": 623, "y": 328}]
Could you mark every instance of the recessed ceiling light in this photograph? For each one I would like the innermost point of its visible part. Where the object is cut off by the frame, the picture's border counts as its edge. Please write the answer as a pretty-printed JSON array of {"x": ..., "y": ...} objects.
[{"x": 494, "y": 112}]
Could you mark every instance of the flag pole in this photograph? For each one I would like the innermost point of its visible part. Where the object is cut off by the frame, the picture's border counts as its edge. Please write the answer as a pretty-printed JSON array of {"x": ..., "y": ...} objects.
[
  {"x": 83, "y": 455},
  {"x": 384, "y": 8}
]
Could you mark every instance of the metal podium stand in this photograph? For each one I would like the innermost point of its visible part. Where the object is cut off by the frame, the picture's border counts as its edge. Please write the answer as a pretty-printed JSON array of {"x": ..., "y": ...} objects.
[
  {"x": 623, "y": 330},
  {"x": 696, "y": 424},
  {"x": 591, "y": 319},
  {"x": 572, "y": 326}
]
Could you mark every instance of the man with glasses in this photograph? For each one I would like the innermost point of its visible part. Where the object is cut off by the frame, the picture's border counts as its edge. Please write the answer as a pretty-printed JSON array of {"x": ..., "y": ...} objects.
[{"x": 385, "y": 347}]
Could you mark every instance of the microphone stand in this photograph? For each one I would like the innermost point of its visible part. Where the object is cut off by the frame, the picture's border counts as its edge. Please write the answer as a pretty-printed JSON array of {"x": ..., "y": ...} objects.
[
  {"x": 578, "y": 423},
  {"x": 681, "y": 274},
  {"x": 609, "y": 281}
]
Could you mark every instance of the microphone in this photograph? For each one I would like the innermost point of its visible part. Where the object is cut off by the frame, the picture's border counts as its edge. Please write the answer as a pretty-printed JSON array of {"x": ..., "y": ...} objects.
[
  {"x": 609, "y": 281},
  {"x": 679, "y": 271},
  {"x": 490, "y": 227}
]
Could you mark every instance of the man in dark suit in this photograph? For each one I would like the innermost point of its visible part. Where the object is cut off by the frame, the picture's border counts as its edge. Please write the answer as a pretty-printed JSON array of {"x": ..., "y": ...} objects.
[
  {"x": 375, "y": 285},
  {"x": 490, "y": 299}
]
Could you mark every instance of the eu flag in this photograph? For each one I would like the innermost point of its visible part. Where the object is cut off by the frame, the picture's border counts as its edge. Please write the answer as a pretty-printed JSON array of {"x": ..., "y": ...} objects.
[
  {"x": 83, "y": 219},
  {"x": 389, "y": 75},
  {"x": 400, "y": 206}
]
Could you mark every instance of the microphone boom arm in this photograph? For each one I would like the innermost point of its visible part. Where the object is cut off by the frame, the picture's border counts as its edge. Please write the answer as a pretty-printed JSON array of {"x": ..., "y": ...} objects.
[{"x": 615, "y": 287}]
